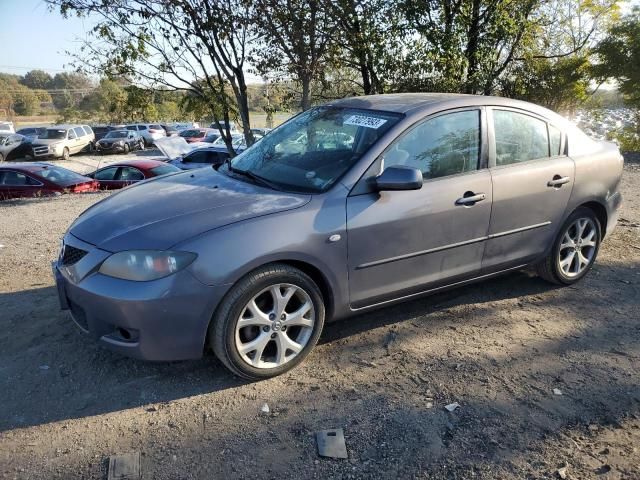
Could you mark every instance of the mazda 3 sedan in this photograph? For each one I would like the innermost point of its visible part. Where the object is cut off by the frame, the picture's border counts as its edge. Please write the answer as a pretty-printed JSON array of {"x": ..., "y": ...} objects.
[{"x": 346, "y": 207}]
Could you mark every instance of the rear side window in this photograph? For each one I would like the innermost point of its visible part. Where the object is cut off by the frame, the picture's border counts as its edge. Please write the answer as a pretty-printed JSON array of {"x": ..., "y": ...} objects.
[
  {"x": 554, "y": 140},
  {"x": 16, "y": 179},
  {"x": 519, "y": 137},
  {"x": 131, "y": 127},
  {"x": 445, "y": 145},
  {"x": 79, "y": 131},
  {"x": 87, "y": 129}
]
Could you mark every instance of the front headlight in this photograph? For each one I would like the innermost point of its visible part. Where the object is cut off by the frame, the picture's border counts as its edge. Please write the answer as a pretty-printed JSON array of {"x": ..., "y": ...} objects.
[
  {"x": 53, "y": 147},
  {"x": 145, "y": 265}
]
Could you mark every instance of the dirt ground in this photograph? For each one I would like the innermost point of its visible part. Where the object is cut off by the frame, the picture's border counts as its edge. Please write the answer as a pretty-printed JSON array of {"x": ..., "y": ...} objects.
[{"x": 498, "y": 348}]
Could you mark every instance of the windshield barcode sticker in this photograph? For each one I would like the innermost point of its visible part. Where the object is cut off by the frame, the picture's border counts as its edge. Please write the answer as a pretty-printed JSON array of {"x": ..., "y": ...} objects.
[{"x": 365, "y": 121}]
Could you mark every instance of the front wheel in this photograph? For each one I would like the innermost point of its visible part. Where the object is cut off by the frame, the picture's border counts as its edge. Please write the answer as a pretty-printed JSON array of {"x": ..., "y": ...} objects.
[
  {"x": 574, "y": 250},
  {"x": 125, "y": 149},
  {"x": 268, "y": 323},
  {"x": 65, "y": 153}
]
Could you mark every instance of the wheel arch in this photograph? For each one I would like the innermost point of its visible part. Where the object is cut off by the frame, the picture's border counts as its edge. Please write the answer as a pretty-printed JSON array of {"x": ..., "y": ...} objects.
[{"x": 599, "y": 210}]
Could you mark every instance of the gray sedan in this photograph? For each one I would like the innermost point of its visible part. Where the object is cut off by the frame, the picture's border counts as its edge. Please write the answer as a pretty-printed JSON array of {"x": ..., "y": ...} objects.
[{"x": 346, "y": 207}]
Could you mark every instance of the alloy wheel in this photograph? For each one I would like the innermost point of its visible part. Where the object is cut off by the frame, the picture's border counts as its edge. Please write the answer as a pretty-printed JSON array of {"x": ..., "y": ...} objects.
[
  {"x": 275, "y": 326},
  {"x": 577, "y": 247}
]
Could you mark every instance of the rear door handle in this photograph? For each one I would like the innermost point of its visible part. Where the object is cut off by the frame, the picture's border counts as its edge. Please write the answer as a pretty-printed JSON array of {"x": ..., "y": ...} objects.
[
  {"x": 470, "y": 198},
  {"x": 558, "y": 181}
]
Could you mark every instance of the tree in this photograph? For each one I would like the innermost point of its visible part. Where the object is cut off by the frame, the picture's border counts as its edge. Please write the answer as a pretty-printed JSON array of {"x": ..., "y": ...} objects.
[
  {"x": 198, "y": 46},
  {"x": 618, "y": 57},
  {"x": 296, "y": 37},
  {"x": 68, "y": 89},
  {"x": 37, "y": 80}
]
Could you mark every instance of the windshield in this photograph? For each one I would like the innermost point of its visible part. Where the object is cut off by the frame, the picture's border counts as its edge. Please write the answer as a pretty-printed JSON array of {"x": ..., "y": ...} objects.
[
  {"x": 192, "y": 133},
  {"x": 60, "y": 176},
  {"x": 54, "y": 134},
  {"x": 117, "y": 134},
  {"x": 314, "y": 149}
]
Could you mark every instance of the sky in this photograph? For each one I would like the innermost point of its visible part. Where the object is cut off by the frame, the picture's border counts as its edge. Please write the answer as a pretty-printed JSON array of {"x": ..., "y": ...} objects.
[{"x": 33, "y": 37}]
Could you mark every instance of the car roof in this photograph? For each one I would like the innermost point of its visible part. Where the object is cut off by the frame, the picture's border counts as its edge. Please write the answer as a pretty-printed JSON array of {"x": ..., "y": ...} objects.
[
  {"x": 146, "y": 164},
  {"x": 65, "y": 127},
  {"x": 415, "y": 102}
]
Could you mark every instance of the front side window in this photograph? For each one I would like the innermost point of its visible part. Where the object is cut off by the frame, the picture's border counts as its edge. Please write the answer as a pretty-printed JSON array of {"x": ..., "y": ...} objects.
[
  {"x": 445, "y": 145},
  {"x": 72, "y": 134},
  {"x": 519, "y": 137},
  {"x": 106, "y": 173},
  {"x": 130, "y": 174},
  {"x": 310, "y": 152}
]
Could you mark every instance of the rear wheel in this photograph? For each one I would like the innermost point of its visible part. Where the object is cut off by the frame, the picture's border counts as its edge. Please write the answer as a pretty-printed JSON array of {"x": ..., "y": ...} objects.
[
  {"x": 65, "y": 153},
  {"x": 574, "y": 250},
  {"x": 268, "y": 323}
]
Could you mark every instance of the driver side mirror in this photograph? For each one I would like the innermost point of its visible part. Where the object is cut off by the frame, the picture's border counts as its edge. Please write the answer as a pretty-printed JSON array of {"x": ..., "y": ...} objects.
[{"x": 399, "y": 178}]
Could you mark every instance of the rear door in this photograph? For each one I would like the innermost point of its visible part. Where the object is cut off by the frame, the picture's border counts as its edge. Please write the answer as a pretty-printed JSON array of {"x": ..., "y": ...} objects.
[
  {"x": 404, "y": 242},
  {"x": 532, "y": 182}
]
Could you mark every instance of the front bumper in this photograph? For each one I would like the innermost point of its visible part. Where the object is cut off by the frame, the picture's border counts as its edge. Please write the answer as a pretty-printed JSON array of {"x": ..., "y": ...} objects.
[
  {"x": 161, "y": 320},
  {"x": 110, "y": 149}
]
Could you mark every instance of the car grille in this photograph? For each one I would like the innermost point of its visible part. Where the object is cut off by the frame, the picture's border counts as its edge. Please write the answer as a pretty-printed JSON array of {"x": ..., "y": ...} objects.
[
  {"x": 72, "y": 255},
  {"x": 41, "y": 150}
]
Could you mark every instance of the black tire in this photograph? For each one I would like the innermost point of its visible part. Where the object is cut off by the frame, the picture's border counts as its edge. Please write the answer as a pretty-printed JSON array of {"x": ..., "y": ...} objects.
[
  {"x": 221, "y": 333},
  {"x": 65, "y": 153},
  {"x": 125, "y": 149},
  {"x": 549, "y": 268}
]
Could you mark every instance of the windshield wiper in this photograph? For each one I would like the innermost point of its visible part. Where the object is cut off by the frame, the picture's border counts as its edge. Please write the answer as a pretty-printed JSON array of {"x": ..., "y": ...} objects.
[{"x": 256, "y": 178}]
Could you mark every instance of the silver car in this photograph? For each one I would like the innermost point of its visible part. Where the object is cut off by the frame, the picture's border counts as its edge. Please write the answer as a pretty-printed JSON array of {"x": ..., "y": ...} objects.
[{"x": 347, "y": 207}]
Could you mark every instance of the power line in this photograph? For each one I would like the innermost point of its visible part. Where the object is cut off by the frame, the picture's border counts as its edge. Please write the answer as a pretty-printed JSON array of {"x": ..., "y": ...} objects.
[{"x": 15, "y": 67}]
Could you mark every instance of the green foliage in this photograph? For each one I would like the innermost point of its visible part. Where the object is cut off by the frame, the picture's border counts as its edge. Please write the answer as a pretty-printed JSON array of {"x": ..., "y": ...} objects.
[{"x": 619, "y": 57}]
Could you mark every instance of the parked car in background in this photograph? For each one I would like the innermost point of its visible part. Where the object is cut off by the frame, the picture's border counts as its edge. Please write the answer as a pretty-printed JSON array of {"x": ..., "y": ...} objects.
[
  {"x": 201, "y": 157},
  {"x": 61, "y": 141},
  {"x": 169, "y": 130},
  {"x": 193, "y": 135},
  {"x": 37, "y": 179},
  {"x": 31, "y": 132},
  {"x": 122, "y": 174},
  {"x": 433, "y": 191},
  {"x": 260, "y": 131},
  {"x": 179, "y": 126},
  {"x": 211, "y": 137},
  {"x": 14, "y": 146},
  {"x": 7, "y": 127},
  {"x": 120, "y": 141},
  {"x": 233, "y": 128},
  {"x": 100, "y": 131},
  {"x": 150, "y": 132}
]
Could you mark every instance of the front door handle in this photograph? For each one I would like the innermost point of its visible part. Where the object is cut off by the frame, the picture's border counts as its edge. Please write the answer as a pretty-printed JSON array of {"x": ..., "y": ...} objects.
[
  {"x": 470, "y": 198},
  {"x": 558, "y": 181}
]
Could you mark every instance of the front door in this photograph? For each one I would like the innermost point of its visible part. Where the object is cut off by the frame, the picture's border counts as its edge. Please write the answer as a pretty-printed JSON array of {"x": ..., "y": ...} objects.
[
  {"x": 405, "y": 242},
  {"x": 532, "y": 182}
]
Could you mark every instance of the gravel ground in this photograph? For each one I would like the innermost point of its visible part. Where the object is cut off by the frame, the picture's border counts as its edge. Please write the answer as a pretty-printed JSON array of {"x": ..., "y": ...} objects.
[{"x": 498, "y": 348}]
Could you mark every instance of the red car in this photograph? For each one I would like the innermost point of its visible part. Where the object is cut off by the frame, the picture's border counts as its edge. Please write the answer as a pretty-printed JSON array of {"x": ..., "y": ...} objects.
[
  {"x": 121, "y": 174},
  {"x": 36, "y": 179},
  {"x": 193, "y": 135}
]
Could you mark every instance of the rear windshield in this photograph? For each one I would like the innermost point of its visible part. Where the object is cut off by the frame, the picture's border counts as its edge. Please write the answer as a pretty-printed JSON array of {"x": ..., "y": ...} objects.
[
  {"x": 164, "y": 169},
  {"x": 61, "y": 176},
  {"x": 54, "y": 134}
]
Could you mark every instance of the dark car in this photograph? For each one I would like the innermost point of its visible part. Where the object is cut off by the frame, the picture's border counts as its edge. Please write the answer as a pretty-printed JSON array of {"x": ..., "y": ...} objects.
[
  {"x": 170, "y": 130},
  {"x": 101, "y": 130},
  {"x": 121, "y": 174},
  {"x": 201, "y": 157},
  {"x": 32, "y": 132},
  {"x": 120, "y": 141},
  {"x": 14, "y": 146},
  {"x": 347, "y": 207},
  {"x": 36, "y": 179}
]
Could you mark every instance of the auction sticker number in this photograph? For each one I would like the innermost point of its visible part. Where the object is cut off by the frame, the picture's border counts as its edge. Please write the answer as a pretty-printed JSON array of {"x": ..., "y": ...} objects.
[{"x": 365, "y": 121}]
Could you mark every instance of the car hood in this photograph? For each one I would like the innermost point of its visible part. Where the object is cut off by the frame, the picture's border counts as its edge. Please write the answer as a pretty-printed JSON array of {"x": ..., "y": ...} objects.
[
  {"x": 158, "y": 213},
  {"x": 174, "y": 147},
  {"x": 47, "y": 141}
]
